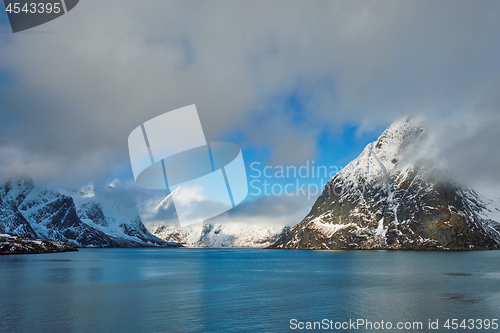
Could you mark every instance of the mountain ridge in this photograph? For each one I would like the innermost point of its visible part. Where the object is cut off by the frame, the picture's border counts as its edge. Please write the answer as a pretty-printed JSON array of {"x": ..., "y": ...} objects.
[
  {"x": 219, "y": 235},
  {"x": 34, "y": 211},
  {"x": 394, "y": 196}
]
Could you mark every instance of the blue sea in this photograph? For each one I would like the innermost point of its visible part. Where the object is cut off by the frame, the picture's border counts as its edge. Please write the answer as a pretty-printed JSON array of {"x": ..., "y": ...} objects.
[{"x": 248, "y": 290}]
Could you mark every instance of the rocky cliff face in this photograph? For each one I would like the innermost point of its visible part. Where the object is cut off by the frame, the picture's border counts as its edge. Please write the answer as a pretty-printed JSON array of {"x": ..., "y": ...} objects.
[
  {"x": 112, "y": 210},
  {"x": 33, "y": 211},
  {"x": 12, "y": 221},
  {"x": 394, "y": 196}
]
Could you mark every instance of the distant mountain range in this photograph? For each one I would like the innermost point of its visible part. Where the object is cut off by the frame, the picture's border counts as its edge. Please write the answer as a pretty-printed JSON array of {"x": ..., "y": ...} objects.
[
  {"x": 90, "y": 217},
  {"x": 220, "y": 235},
  {"x": 106, "y": 216},
  {"x": 394, "y": 196}
]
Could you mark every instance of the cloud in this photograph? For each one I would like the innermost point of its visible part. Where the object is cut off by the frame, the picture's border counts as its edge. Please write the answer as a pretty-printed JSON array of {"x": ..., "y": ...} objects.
[
  {"x": 467, "y": 143},
  {"x": 272, "y": 210},
  {"x": 16, "y": 162},
  {"x": 73, "y": 96}
]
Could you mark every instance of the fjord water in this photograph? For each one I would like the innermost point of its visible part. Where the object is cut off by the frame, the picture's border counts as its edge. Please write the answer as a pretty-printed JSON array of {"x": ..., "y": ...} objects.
[{"x": 241, "y": 290}]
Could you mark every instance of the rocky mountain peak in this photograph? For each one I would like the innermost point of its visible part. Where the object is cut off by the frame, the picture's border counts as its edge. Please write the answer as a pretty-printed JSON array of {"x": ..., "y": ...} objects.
[
  {"x": 87, "y": 191},
  {"x": 393, "y": 196},
  {"x": 89, "y": 217}
]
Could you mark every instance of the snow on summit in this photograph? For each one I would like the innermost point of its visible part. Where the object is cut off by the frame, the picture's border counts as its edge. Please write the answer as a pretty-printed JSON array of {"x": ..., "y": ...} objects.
[{"x": 395, "y": 195}]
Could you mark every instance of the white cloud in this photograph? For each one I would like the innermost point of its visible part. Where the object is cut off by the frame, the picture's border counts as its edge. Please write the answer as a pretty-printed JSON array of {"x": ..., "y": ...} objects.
[{"x": 76, "y": 94}]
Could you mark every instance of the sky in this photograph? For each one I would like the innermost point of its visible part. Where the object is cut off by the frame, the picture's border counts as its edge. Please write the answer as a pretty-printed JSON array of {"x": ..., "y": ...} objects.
[{"x": 290, "y": 82}]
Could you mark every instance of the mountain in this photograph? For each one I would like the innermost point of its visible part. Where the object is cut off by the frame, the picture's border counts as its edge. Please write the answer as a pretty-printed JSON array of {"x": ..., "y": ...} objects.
[
  {"x": 33, "y": 211},
  {"x": 14, "y": 244},
  {"x": 219, "y": 235},
  {"x": 395, "y": 195},
  {"x": 37, "y": 212},
  {"x": 112, "y": 210},
  {"x": 12, "y": 221}
]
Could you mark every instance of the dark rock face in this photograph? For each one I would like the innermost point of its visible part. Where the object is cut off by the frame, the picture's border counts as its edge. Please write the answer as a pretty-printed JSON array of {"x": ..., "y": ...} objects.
[
  {"x": 32, "y": 211},
  {"x": 112, "y": 209},
  {"x": 92, "y": 211},
  {"x": 13, "y": 244},
  {"x": 13, "y": 221},
  {"x": 392, "y": 198},
  {"x": 49, "y": 214}
]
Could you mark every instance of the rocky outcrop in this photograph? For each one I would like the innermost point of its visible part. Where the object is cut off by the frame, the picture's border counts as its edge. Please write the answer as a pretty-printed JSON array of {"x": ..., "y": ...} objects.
[{"x": 13, "y": 244}]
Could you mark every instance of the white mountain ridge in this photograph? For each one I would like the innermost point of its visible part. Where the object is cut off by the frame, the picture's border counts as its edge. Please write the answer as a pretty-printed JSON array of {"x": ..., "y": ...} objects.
[
  {"x": 112, "y": 210},
  {"x": 106, "y": 216},
  {"x": 396, "y": 194},
  {"x": 90, "y": 217},
  {"x": 219, "y": 234}
]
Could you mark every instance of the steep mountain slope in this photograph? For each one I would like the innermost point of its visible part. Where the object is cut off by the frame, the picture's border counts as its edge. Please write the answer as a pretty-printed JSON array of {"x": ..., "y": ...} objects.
[
  {"x": 219, "y": 235},
  {"x": 33, "y": 211},
  {"x": 394, "y": 196},
  {"x": 12, "y": 221},
  {"x": 112, "y": 210},
  {"x": 49, "y": 214}
]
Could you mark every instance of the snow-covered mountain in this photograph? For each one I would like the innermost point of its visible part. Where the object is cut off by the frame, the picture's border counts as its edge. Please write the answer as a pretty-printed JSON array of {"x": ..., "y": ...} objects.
[
  {"x": 112, "y": 210},
  {"x": 395, "y": 195},
  {"x": 219, "y": 235},
  {"x": 98, "y": 220},
  {"x": 106, "y": 216}
]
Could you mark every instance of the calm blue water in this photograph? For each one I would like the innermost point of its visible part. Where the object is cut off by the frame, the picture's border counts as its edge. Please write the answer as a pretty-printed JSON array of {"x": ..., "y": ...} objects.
[{"x": 241, "y": 290}]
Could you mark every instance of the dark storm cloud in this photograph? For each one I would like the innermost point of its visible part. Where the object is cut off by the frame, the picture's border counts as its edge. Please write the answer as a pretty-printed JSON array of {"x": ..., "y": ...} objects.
[{"x": 73, "y": 96}]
